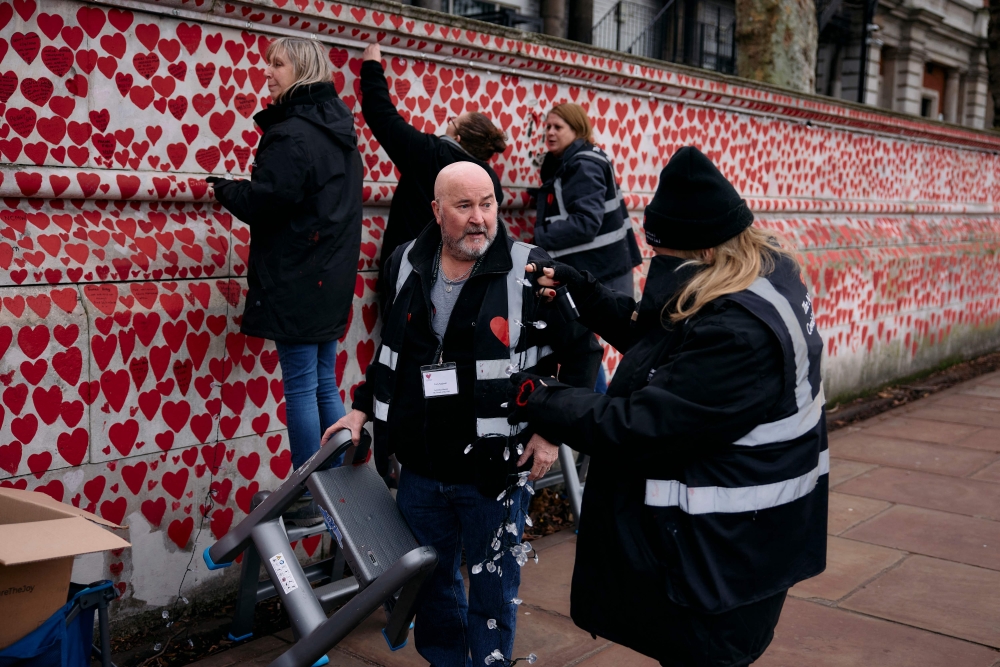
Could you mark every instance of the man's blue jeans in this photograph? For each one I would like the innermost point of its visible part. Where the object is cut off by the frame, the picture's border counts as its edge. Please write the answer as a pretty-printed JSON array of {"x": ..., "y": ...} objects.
[
  {"x": 312, "y": 398},
  {"x": 447, "y": 517}
]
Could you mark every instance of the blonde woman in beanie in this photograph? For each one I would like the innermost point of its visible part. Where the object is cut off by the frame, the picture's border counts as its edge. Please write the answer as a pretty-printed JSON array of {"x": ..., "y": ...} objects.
[{"x": 707, "y": 494}]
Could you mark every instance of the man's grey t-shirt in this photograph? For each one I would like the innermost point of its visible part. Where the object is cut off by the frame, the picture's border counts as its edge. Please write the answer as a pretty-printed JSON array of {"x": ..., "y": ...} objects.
[{"x": 443, "y": 302}]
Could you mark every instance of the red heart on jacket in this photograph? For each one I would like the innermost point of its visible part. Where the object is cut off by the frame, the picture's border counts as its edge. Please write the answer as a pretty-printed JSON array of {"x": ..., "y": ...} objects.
[{"x": 498, "y": 325}]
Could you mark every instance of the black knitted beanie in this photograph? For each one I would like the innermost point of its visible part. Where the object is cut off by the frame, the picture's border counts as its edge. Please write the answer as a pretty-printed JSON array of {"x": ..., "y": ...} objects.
[{"x": 694, "y": 207}]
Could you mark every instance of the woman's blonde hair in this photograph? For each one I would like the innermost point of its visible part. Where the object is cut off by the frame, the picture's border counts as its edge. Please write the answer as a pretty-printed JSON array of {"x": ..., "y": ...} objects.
[
  {"x": 308, "y": 59},
  {"x": 577, "y": 119},
  {"x": 729, "y": 268}
]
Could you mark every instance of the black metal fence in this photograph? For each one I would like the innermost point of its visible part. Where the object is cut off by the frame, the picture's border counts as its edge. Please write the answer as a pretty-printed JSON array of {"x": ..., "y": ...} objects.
[
  {"x": 716, "y": 48},
  {"x": 660, "y": 33},
  {"x": 623, "y": 26}
]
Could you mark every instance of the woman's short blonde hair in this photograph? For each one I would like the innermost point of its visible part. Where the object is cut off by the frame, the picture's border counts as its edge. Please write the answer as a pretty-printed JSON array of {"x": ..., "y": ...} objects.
[
  {"x": 307, "y": 57},
  {"x": 577, "y": 119}
]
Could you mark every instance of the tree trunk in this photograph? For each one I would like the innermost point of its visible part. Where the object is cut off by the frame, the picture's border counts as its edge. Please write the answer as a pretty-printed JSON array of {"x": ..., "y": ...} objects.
[
  {"x": 993, "y": 58},
  {"x": 776, "y": 42}
]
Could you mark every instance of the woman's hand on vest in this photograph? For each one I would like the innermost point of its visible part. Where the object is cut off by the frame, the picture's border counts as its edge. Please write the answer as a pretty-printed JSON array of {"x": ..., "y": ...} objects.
[
  {"x": 545, "y": 454},
  {"x": 549, "y": 274},
  {"x": 354, "y": 421},
  {"x": 521, "y": 386}
]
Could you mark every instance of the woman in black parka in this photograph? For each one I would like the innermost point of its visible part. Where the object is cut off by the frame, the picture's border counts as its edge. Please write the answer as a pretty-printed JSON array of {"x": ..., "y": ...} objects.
[
  {"x": 303, "y": 205},
  {"x": 707, "y": 493},
  {"x": 420, "y": 156}
]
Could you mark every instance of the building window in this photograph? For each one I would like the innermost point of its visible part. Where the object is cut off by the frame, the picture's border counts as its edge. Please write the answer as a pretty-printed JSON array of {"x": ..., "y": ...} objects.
[
  {"x": 935, "y": 78},
  {"x": 930, "y": 104}
]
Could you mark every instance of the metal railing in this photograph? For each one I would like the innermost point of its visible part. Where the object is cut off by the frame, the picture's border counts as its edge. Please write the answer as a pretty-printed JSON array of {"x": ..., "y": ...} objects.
[
  {"x": 622, "y": 26},
  {"x": 640, "y": 30},
  {"x": 495, "y": 14},
  {"x": 717, "y": 48}
]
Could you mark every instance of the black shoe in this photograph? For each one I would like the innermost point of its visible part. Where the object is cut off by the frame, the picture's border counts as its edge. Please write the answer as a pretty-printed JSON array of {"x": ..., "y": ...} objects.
[{"x": 303, "y": 516}]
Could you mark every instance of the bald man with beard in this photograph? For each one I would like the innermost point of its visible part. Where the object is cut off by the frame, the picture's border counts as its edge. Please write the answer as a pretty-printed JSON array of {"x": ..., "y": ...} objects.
[{"x": 452, "y": 333}]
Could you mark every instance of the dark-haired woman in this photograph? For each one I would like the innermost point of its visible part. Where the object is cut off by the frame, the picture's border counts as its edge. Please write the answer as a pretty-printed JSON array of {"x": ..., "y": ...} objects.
[
  {"x": 707, "y": 494},
  {"x": 471, "y": 137},
  {"x": 582, "y": 220},
  {"x": 303, "y": 205}
]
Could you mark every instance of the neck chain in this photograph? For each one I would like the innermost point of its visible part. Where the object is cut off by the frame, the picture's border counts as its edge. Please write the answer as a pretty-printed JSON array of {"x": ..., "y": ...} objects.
[{"x": 449, "y": 284}]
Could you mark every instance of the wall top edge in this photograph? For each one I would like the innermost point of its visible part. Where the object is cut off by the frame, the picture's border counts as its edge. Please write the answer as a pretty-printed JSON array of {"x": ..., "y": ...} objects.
[{"x": 532, "y": 54}]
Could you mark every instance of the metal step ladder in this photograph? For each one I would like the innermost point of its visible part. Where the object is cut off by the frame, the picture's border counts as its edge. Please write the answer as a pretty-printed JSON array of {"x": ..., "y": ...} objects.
[{"x": 358, "y": 510}]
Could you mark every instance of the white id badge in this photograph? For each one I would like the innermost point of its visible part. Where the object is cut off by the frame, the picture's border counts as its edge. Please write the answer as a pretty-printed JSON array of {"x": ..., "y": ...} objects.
[{"x": 439, "y": 380}]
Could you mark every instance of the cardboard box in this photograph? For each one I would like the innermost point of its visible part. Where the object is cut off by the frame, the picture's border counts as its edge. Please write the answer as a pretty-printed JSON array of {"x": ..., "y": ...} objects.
[{"x": 38, "y": 539}]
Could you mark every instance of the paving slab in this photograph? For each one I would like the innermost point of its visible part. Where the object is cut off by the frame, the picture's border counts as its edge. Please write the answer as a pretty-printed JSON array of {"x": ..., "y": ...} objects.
[
  {"x": 814, "y": 635},
  {"x": 940, "y": 534},
  {"x": 990, "y": 473},
  {"x": 920, "y": 489},
  {"x": 849, "y": 564},
  {"x": 957, "y": 416},
  {"x": 842, "y": 470},
  {"x": 847, "y": 511},
  {"x": 618, "y": 656},
  {"x": 987, "y": 439},
  {"x": 547, "y": 584},
  {"x": 923, "y": 430},
  {"x": 949, "y": 598},
  {"x": 910, "y": 454},
  {"x": 250, "y": 653},
  {"x": 971, "y": 401},
  {"x": 553, "y": 638},
  {"x": 990, "y": 391}
]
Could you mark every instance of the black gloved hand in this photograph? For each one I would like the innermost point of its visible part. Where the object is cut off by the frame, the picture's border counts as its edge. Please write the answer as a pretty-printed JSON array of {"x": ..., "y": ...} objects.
[
  {"x": 214, "y": 180},
  {"x": 519, "y": 391},
  {"x": 564, "y": 274}
]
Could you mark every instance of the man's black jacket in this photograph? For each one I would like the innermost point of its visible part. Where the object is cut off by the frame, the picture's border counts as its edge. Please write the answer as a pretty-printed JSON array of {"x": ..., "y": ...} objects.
[
  {"x": 429, "y": 436},
  {"x": 303, "y": 205},
  {"x": 418, "y": 156}
]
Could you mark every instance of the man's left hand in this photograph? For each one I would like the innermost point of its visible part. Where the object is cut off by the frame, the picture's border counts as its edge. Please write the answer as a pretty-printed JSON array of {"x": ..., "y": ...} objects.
[{"x": 545, "y": 454}]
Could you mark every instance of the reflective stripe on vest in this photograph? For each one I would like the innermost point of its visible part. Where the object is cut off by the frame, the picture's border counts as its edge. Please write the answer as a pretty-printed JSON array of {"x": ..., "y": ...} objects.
[
  {"x": 599, "y": 241},
  {"x": 501, "y": 369},
  {"x": 810, "y": 409},
  {"x": 381, "y": 410},
  {"x": 387, "y": 356},
  {"x": 497, "y": 427},
  {"x": 610, "y": 205},
  {"x": 723, "y": 500}
]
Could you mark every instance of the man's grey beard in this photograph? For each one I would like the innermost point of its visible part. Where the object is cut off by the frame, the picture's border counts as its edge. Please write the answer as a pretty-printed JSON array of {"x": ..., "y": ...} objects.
[{"x": 456, "y": 246}]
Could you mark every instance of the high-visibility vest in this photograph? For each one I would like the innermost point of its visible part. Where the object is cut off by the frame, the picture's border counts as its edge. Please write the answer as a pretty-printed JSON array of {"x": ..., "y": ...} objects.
[
  {"x": 495, "y": 362},
  {"x": 752, "y": 517}
]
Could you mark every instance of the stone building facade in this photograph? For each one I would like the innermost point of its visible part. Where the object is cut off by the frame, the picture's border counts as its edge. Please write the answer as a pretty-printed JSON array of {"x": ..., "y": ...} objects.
[{"x": 924, "y": 57}]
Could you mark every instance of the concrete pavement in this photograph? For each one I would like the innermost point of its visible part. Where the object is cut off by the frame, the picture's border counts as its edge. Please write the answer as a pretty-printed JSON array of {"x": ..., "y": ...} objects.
[{"x": 913, "y": 573}]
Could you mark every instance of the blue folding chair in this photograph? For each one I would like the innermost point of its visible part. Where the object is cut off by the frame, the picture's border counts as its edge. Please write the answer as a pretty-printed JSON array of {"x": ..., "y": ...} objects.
[{"x": 66, "y": 638}]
